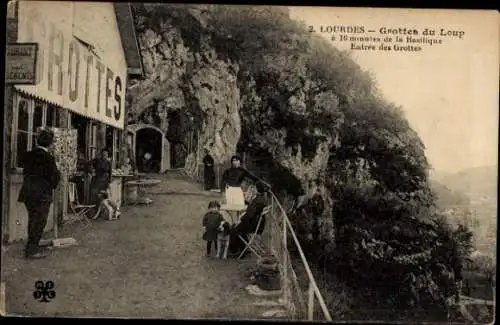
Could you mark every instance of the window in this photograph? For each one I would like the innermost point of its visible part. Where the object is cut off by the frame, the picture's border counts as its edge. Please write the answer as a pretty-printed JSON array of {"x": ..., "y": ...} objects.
[
  {"x": 22, "y": 132},
  {"x": 52, "y": 116},
  {"x": 38, "y": 113},
  {"x": 29, "y": 115},
  {"x": 113, "y": 145},
  {"x": 92, "y": 137},
  {"x": 116, "y": 148},
  {"x": 130, "y": 148},
  {"x": 110, "y": 137}
]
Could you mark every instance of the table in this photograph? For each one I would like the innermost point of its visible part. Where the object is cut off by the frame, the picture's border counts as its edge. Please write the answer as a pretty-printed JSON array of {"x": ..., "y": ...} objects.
[
  {"x": 116, "y": 188},
  {"x": 137, "y": 190},
  {"x": 235, "y": 211}
]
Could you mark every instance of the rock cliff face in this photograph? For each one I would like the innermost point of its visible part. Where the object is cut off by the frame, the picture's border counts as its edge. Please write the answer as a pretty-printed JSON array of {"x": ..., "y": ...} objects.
[
  {"x": 196, "y": 83},
  {"x": 310, "y": 120},
  {"x": 190, "y": 71},
  {"x": 185, "y": 73},
  {"x": 305, "y": 168}
]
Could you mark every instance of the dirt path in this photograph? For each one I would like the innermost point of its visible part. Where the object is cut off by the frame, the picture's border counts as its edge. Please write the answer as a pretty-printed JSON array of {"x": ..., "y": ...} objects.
[{"x": 149, "y": 264}]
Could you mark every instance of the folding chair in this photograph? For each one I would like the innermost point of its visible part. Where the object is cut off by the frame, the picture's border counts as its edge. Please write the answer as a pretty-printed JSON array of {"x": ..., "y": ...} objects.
[
  {"x": 256, "y": 248},
  {"x": 78, "y": 210}
]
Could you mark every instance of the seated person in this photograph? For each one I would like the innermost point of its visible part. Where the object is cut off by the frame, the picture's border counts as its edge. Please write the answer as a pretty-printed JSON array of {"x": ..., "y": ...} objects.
[
  {"x": 236, "y": 245},
  {"x": 249, "y": 221}
]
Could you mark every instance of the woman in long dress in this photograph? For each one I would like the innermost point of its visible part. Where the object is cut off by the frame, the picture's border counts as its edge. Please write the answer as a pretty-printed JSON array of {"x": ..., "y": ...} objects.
[
  {"x": 208, "y": 171},
  {"x": 231, "y": 182},
  {"x": 102, "y": 176}
]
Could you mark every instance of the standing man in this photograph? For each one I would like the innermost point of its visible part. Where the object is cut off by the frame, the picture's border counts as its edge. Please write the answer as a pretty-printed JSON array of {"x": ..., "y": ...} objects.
[
  {"x": 40, "y": 178},
  {"x": 208, "y": 171}
]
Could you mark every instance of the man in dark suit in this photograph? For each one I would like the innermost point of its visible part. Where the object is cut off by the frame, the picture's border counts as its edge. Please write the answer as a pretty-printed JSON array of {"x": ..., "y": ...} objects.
[
  {"x": 250, "y": 220},
  {"x": 40, "y": 178}
]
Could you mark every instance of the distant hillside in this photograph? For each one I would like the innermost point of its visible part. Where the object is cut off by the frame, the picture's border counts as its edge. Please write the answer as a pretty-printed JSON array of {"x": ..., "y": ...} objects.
[
  {"x": 447, "y": 198},
  {"x": 474, "y": 182},
  {"x": 438, "y": 175},
  {"x": 470, "y": 197}
]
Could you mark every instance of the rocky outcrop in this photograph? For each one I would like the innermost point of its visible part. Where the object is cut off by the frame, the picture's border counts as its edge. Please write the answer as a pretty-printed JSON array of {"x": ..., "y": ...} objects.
[
  {"x": 187, "y": 71},
  {"x": 164, "y": 60},
  {"x": 213, "y": 88},
  {"x": 306, "y": 167},
  {"x": 198, "y": 84},
  {"x": 311, "y": 174}
]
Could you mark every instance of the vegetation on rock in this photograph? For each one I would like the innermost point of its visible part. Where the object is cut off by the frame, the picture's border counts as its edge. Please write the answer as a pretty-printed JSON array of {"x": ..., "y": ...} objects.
[{"x": 313, "y": 115}]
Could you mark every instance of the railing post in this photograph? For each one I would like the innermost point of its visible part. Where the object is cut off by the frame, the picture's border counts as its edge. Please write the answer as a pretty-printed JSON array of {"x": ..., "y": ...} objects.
[
  {"x": 273, "y": 225},
  {"x": 310, "y": 303},
  {"x": 285, "y": 260}
]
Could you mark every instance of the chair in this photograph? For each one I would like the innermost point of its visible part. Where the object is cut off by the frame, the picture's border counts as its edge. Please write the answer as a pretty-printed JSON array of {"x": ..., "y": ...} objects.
[
  {"x": 78, "y": 210},
  {"x": 251, "y": 244}
]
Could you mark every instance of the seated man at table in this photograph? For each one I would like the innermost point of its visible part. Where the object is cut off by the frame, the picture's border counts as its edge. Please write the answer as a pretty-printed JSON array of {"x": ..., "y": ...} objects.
[{"x": 250, "y": 220}]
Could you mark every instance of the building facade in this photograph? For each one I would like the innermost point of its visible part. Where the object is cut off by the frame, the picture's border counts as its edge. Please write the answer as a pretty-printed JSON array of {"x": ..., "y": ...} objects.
[{"x": 81, "y": 80}]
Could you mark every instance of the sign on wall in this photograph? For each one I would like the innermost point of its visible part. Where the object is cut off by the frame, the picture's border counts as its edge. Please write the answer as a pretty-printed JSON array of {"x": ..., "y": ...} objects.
[
  {"x": 71, "y": 72},
  {"x": 20, "y": 64}
]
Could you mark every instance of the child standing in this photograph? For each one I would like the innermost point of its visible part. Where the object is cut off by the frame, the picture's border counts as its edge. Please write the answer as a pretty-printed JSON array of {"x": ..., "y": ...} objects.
[{"x": 211, "y": 221}]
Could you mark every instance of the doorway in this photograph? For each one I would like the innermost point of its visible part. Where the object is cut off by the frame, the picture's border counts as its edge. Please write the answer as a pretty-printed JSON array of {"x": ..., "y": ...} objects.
[
  {"x": 80, "y": 123},
  {"x": 148, "y": 148}
]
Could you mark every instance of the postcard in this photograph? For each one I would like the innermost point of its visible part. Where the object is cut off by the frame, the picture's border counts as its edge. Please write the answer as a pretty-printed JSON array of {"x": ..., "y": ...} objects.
[{"x": 250, "y": 162}]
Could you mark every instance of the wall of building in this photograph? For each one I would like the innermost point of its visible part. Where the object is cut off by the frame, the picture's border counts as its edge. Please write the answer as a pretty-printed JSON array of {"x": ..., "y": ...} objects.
[
  {"x": 81, "y": 62},
  {"x": 71, "y": 75},
  {"x": 11, "y": 36}
]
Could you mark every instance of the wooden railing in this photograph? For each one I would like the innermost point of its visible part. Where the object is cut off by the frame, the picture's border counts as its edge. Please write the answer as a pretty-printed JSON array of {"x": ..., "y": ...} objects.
[
  {"x": 280, "y": 235},
  {"x": 301, "y": 303}
]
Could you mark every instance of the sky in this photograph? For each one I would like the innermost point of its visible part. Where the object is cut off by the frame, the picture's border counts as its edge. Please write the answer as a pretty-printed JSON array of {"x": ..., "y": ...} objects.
[{"x": 449, "y": 91}]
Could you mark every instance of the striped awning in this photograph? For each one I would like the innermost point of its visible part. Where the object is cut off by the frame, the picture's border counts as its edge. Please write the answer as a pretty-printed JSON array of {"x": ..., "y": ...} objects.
[{"x": 28, "y": 94}]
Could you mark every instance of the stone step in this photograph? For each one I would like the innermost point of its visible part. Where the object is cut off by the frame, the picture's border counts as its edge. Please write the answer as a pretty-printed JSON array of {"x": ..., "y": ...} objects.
[
  {"x": 269, "y": 303},
  {"x": 256, "y": 291},
  {"x": 275, "y": 313}
]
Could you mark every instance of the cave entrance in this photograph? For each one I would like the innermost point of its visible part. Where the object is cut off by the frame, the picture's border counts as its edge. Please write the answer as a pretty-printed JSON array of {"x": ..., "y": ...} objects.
[
  {"x": 148, "y": 150},
  {"x": 149, "y": 139}
]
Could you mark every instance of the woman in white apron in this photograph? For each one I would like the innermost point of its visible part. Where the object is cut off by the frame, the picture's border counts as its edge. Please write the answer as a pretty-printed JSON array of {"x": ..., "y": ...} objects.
[{"x": 231, "y": 182}]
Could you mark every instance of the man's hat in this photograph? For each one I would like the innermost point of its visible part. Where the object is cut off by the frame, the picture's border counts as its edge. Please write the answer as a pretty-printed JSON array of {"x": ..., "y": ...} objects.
[{"x": 45, "y": 137}]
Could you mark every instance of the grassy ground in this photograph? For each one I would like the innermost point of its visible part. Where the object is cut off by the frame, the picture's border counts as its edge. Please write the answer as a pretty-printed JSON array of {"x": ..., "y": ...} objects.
[{"x": 150, "y": 264}]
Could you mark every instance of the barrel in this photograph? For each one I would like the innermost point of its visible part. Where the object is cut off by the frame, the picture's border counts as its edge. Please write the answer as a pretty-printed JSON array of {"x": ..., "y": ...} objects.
[{"x": 131, "y": 193}]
